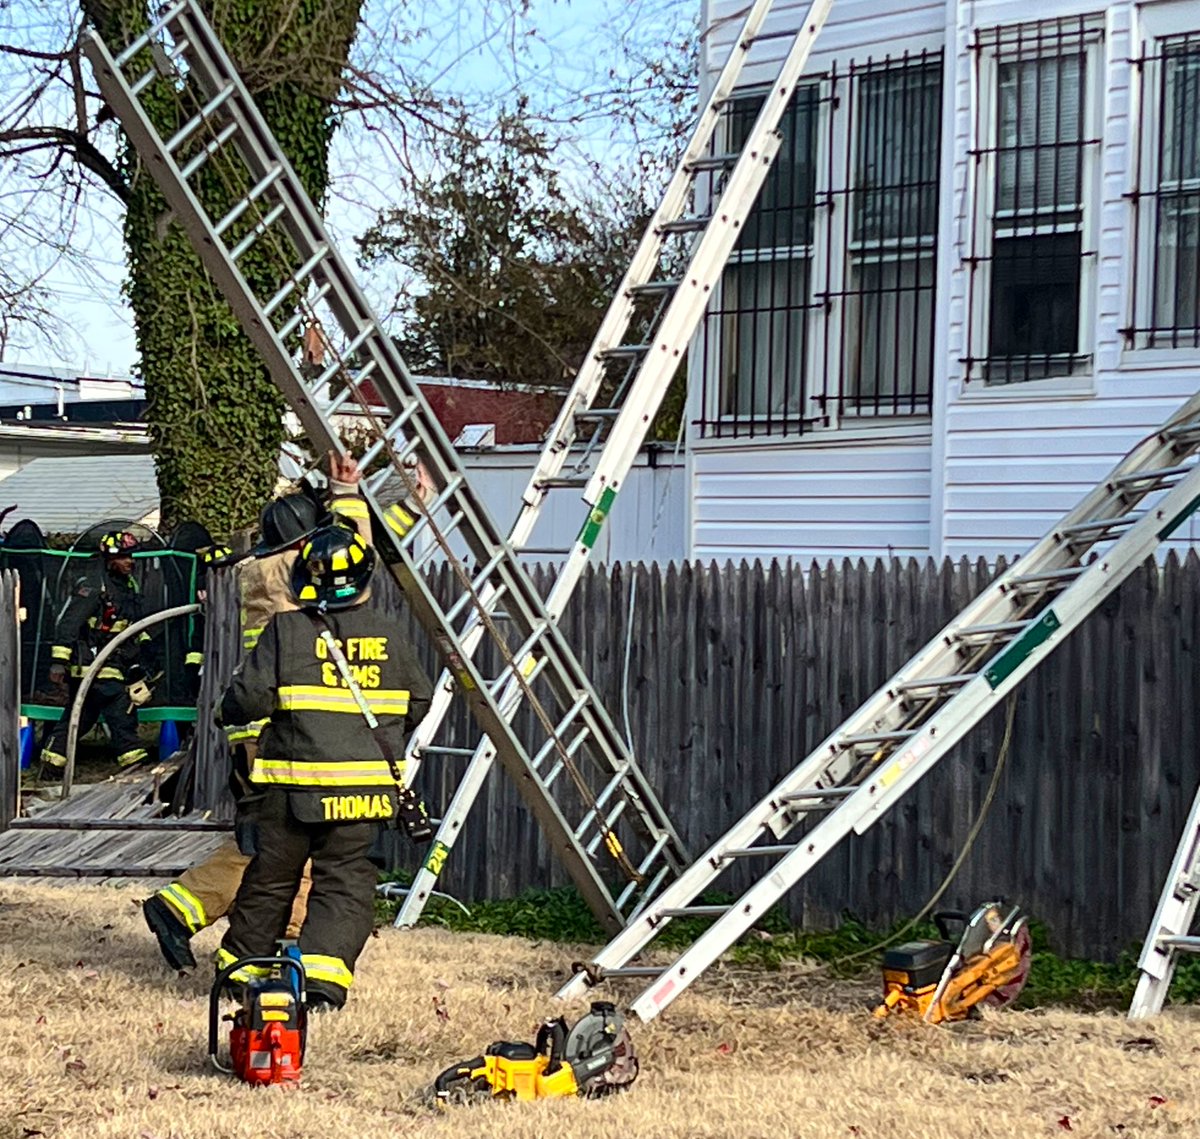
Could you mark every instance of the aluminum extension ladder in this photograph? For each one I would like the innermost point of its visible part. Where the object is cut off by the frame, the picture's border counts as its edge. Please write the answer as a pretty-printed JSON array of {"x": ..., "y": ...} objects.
[
  {"x": 901, "y": 732},
  {"x": 650, "y": 361},
  {"x": 1170, "y": 932},
  {"x": 275, "y": 233}
]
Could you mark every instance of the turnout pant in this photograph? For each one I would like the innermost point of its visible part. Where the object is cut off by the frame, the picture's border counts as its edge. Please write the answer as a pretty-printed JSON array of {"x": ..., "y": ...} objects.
[
  {"x": 340, "y": 905},
  {"x": 106, "y": 698},
  {"x": 204, "y": 893}
]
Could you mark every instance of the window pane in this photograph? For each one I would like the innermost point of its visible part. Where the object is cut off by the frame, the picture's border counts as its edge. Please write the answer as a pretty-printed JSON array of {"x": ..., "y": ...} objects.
[
  {"x": 889, "y": 334},
  {"x": 763, "y": 337},
  {"x": 1181, "y": 117},
  {"x": 783, "y": 214},
  {"x": 1040, "y": 135},
  {"x": 1176, "y": 293},
  {"x": 896, "y": 168},
  {"x": 1035, "y": 302}
]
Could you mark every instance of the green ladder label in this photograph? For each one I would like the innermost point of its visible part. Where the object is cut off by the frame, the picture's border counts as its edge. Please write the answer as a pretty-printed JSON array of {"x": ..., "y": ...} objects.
[{"x": 1016, "y": 653}]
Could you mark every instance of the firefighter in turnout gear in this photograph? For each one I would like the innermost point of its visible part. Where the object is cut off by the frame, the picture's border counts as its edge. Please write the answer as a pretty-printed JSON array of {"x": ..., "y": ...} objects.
[
  {"x": 204, "y": 893},
  {"x": 93, "y": 616},
  {"x": 343, "y": 689}
]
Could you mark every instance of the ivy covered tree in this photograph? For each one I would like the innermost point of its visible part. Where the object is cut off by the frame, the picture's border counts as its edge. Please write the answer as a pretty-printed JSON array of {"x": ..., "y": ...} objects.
[{"x": 214, "y": 415}]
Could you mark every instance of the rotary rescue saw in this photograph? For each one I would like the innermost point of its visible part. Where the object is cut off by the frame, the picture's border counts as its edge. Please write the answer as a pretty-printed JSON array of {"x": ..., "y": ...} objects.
[
  {"x": 941, "y": 981},
  {"x": 592, "y": 1059}
]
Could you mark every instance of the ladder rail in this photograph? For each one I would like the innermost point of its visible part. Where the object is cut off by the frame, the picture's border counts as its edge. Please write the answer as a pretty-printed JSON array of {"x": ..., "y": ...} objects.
[
  {"x": 305, "y": 230},
  {"x": 901, "y": 768},
  {"x": 649, "y": 386},
  {"x": 653, "y": 376},
  {"x": 1173, "y": 918}
]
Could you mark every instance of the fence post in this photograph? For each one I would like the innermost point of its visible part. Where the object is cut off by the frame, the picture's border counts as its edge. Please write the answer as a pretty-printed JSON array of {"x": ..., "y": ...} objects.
[{"x": 10, "y": 697}]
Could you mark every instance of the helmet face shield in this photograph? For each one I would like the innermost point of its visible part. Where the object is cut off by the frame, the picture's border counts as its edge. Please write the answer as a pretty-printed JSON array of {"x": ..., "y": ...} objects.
[{"x": 332, "y": 570}]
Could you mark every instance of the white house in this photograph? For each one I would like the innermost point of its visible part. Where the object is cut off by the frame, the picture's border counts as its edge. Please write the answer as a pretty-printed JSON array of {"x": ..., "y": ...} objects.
[{"x": 971, "y": 283}]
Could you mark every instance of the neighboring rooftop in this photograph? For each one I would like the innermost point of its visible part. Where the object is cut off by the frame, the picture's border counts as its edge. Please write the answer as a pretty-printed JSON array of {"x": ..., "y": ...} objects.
[{"x": 66, "y": 496}]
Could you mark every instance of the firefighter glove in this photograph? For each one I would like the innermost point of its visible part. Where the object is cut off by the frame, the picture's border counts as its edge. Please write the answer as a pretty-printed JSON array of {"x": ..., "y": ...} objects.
[{"x": 139, "y": 692}]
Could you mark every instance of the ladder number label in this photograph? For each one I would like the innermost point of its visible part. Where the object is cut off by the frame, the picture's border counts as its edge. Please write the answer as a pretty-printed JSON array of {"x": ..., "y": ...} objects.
[{"x": 438, "y": 853}]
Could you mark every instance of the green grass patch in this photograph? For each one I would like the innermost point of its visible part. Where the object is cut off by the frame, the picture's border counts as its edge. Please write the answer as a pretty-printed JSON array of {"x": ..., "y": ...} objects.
[{"x": 849, "y": 950}]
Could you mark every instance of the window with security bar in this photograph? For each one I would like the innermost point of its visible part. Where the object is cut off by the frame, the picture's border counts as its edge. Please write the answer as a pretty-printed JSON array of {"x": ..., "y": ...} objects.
[
  {"x": 756, "y": 331},
  {"x": 1165, "y": 288},
  {"x": 826, "y": 309},
  {"x": 1032, "y": 261}
]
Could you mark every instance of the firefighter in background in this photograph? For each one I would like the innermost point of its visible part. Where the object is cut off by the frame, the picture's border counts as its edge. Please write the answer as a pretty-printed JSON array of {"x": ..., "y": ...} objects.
[
  {"x": 91, "y": 618},
  {"x": 329, "y": 773},
  {"x": 204, "y": 892}
]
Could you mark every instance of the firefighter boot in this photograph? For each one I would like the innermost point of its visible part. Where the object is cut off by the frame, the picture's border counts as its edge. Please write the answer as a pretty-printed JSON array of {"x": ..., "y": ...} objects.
[{"x": 172, "y": 934}]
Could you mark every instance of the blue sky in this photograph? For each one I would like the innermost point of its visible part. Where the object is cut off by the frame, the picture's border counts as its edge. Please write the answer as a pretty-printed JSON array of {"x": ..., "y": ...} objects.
[{"x": 559, "y": 50}]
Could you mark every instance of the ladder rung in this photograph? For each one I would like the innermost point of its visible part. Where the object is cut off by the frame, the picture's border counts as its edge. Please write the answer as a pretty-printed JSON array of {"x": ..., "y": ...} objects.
[
  {"x": 548, "y": 746},
  {"x": 297, "y": 278},
  {"x": 440, "y": 749},
  {"x": 994, "y": 632},
  {"x": 1179, "y": 941},
  {"x": 598, "y": 413},
  {"x": 561, "y": 765},
  {"x": 390, "y": 432},
  {"x": 601, "y": 800},
  {"x": 210, "y": 148},
  {"x": 1182, "y": 430},
  {"x": 345, "y": 357},
  {"x": 653, "y": 288},
  {"x": 1100, "y": 525},
  {"x": 685, "y": 225},
  {"x": 560, "y": 482},
  {"x": 955, "y": 681},
  {"x": 260, "y": 227},
  {"x": 808, "y": 794},
  {"x": 870, "y": 739},
  {"x": 144, "y": 39},
  {"x": 304, "y": 312},
  {"x": 606, "y": 829},
  {"x": 712, "y": 162},
  {"x": 265, "y": 183},
  {"x": 624, "y": 352},
  {"x": 1156, "y": 475},
  {"x": 551, "y": 550},
  {"x": 189, "y": 128},
  {"x": 692, "y": 912},
  {"x": 1046, "y": 577},
  {"x": 158, "y": 71},
  {"x": 763, "y": 37},
  {"x": 629, "y": 971},
  {"x": 758, "y": 851}
]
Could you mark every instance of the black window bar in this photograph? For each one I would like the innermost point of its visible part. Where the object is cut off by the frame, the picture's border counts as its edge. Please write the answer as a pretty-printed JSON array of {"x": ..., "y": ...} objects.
[
  {"x": 1030, "y": 184},
  {"x": 754, "y": 340},
  {"x": 866, "y": 322},
  {"x": 878, "y": 346},
  {"x": 1165, "y": 280}
]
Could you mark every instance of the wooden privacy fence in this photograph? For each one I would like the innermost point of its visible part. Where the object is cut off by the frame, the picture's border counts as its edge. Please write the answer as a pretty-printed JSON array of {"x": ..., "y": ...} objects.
[{"x": 735, "y": 673}]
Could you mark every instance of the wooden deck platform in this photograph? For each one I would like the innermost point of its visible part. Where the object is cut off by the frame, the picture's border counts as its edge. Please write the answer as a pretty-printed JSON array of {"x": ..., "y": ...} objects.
[{"x": 112, "y": 829}]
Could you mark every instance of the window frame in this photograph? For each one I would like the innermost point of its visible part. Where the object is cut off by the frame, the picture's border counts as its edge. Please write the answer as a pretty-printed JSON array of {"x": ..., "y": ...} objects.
[
  {"x": 837, "y": 99},
  {"x": 1145, "y": 191},
  {"x": 983, "y": 159}
]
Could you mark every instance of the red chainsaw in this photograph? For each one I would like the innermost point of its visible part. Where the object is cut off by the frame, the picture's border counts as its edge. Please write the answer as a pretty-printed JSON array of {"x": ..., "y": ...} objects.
[{"x": 266, "y": 1043}]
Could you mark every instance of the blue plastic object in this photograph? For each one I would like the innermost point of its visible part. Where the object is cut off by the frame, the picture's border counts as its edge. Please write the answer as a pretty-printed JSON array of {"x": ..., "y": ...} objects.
[
  {"x": 168, "y": 738},
  {"x": 28, "y": 736}
]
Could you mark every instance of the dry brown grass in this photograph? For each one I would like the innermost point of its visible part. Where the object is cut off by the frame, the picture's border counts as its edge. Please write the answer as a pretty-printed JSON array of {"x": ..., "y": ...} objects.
[{"x": 97, "y": 1041}]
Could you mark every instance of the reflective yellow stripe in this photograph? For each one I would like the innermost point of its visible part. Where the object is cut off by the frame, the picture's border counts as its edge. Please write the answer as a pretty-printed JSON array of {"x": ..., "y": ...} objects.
[
  {"x": 332, "y": 970},
  {"x": 399, "y": 519},
  {"x": 250, "y": 637},
  {"x": 301, "y": 773},
  {"x": 349, "y": 507},
  {"x": 245, "y": 973},
  {"x": 186, "y": 904},
  {"x": 194, "y": 658},
  {"x": 243, "y": 732},
  {"x": 317, "y": 698},
  {"x": 60, "y": 652},
  {"x": 108, "y": 673}
]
